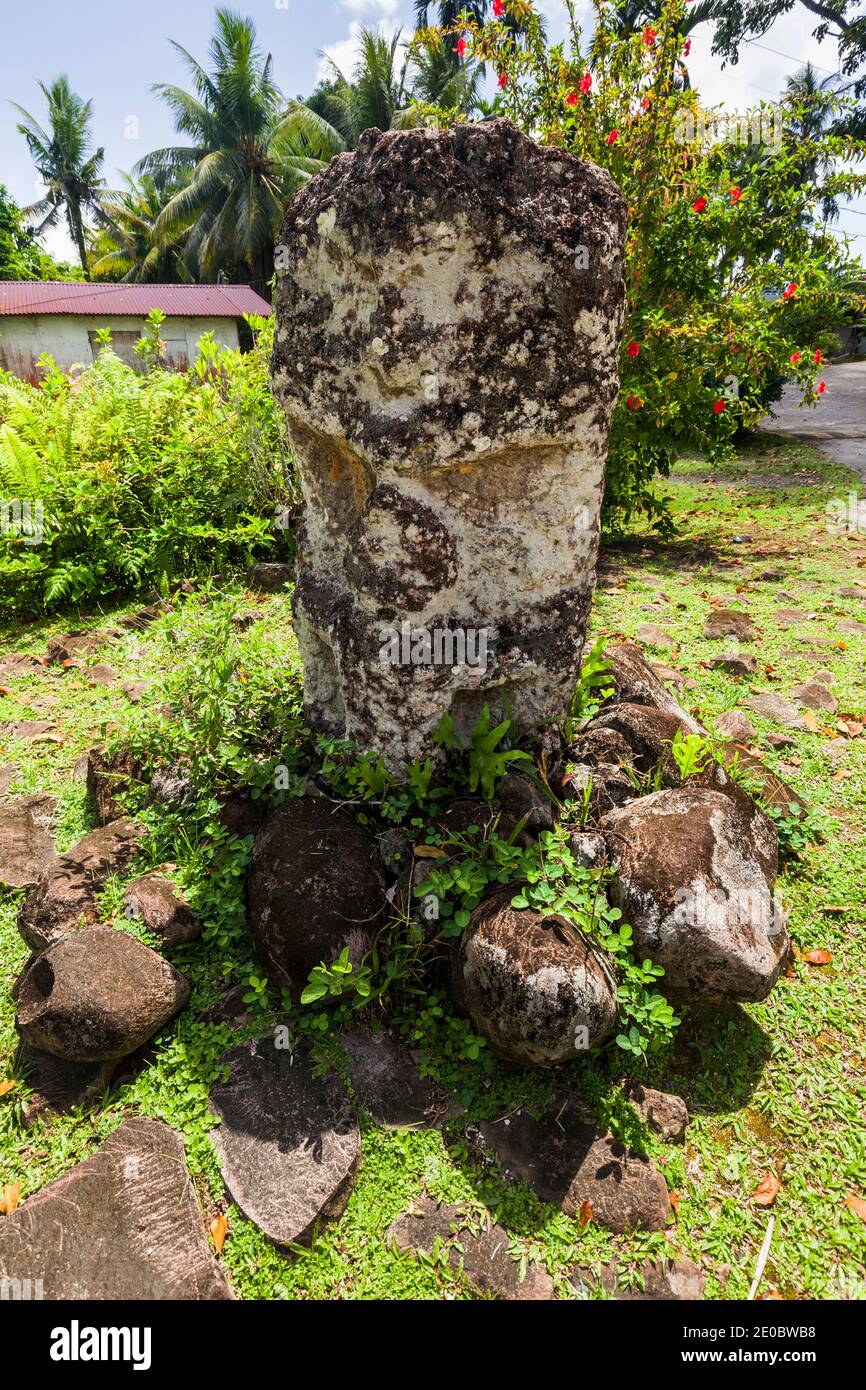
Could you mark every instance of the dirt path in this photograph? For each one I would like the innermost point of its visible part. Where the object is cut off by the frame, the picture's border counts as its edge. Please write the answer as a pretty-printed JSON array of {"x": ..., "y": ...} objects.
[{"x": 837, "y": 427}]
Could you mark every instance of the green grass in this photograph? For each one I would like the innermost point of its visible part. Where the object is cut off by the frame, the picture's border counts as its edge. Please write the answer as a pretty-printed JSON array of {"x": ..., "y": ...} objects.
[{"x": 774, "y": 1087}]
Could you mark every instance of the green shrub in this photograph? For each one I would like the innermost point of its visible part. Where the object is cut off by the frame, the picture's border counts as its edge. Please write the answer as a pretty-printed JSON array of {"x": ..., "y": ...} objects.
[{"x": 141, "y": 478}]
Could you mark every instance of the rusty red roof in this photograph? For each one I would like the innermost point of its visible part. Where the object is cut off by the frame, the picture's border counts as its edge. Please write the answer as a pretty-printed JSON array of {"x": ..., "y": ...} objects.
[{"x": 177, "y": 301}]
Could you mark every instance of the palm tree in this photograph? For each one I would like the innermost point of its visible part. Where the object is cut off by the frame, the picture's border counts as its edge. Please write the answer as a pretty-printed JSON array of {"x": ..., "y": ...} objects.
[
  {"x": 439, "y": 81},
  {"x": 65, "y": 161},
  {"x": 375, "y": 95},
  {"x": 249, "y": 152},
  {"x": 127, "y": 245}
]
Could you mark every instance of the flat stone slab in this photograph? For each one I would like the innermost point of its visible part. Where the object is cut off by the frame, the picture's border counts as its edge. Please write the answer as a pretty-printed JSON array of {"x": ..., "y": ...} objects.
[
  {"x": 386, "y": 1080},
  {"x": 26, "y": 849},
  {"x": 125, "y": 1224},
  {"x": 565, "y": 1159},
  {"x": 485, "y": 1255},
  {"x": 671, "y": 1281},
  {"x": 288, "y": 1142}
]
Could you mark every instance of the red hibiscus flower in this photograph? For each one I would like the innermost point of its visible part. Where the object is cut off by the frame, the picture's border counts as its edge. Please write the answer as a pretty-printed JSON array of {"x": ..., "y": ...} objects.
[
  {"x": 461, "y": 47},
  {"x": 503, "y": 80},
  {"x": 634, "y": 403},
  {"x": 572, "y": 99},
  {"x": 633, "y": 349},
  {"x": 613, "y": 137},
  {"x": 687, "y": 48},
  {"x": 649, "y": 37},
  {"x": 699, "y": 205},
  {"x": 822, "y": 387},
  {"x": 736, "y": 193},
  {"x": 790, "y": 290},
  {"x": 818, "y": 358},
  {"x": 644, "y": 101},
  {"x": 499, "y": 8},
  {"x": 719, "y": 408},
  {"x": 795, "y": 358},
  {"x": 585, "y": 82}
]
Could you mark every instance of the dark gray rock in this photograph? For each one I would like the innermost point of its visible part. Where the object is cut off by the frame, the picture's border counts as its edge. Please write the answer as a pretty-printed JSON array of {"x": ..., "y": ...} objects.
[
  {"x": 269, "y": 579},
  {"x": 386, "y": 1079},
  {"x": 535, "y": 987},
  {"x": 736, "y": 725},
  {"x": 483, "y": 1255},
  {"x": 635, "y": 683},
  {"x": 97, "y": 994},
  {"x": 729, "y": 622},
  {"x": 313, "y": 890},
  {"x": 735, "y": 664},
  {"x": 124, "y": 1224},
  {"x": 288, "y": 1142},
  {"x": 172, "y": 787},
  {"x": 110, "y": 776},
  {"x": 566, "y": 1160},
  {"x": 519, "y": 796},
  {"x": 59, "y": 1086}
]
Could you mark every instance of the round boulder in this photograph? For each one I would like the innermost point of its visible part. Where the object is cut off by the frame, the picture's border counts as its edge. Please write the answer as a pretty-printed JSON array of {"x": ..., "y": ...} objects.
[
  {"x": 696, "y": 870},
  {"x": 96, "y": 995},
  {"x": 313, "y": 890},
  {"x": 535, "y": 987}
]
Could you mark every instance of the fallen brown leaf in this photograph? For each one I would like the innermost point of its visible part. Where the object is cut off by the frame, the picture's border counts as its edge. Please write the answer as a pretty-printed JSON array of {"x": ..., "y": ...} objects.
[
  {"x": 584, "y": 1216},
  {"x": 429, "y": 852},
  {"x": 10, "y": 1196},
  {"x": 857, "y": 1205},
  {"x": 7, "y": 1086},
  {"x": 674, "y": 1198},
  {"x": 818, "y": 957},
  {"x": 767, "y": 1191},
  {"x": 218, "y": 1232}
]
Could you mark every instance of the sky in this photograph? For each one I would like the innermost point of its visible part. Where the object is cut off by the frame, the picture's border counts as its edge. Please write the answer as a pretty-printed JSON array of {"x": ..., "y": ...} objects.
[{"x": 114, "y": 54}]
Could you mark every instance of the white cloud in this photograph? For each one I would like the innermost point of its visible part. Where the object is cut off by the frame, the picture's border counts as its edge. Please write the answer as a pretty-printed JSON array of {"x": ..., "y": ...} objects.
[{"x": 383, "y": 9}]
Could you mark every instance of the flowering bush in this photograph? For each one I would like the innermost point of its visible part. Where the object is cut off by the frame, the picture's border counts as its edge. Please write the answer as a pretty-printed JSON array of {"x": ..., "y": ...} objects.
[{"x": 734, "y": 283}]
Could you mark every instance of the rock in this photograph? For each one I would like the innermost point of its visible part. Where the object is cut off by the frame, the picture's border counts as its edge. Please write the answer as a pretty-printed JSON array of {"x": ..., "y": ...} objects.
[
  {"x": 601, "y": 745},
  {"x": 729, "y": 622},
  {"x": 652, "y": 636},
  {"x": 101, "y": 675},
  {"x": 734, "y": 724},
  {"x": 269, "y": 579},
  {"x": 172, "y": 787},
  {"x": 395, "y": 851},
  {"x": 852, "y": 629},
  {"x": 775, "y": 707},
  {"x": 244, "y": 621},
  {"x": 21, "y": 664},
  {"x": 313, "y": 890},
  {"x": 668, "y": 1281},
  {"x": 135, "y": 691},
  {"x": 519, "y": 796},
  {"x": 26, "y": 850},
  {"x": 230, "y": 1009},
  {"x": 764, "y": 783},
  {"x": 665, "y": 1114},
  {"x": 484, "y": 1256},
  {"x": 95, "y": 995},
  {"x": 42, "y": 807},
  {"x": 589, "y": 849},
  {"x": 65, "y": 896},
  {"x": 780, "y": 741},
  {"x": 60, "y": 1086},
  {"x": 77, "y": 646},
  {"x": 162, "y": 909},
  {"x": 288, "y": 1142},
  {"x": 566, "y": 1160},
  {"x": 145, "y": 616},
  {"x": 650, "y": 734},
  {"x": 696, "y": 870},
  {"x": 815, "y": 695},
  {"x": 110, "y": 776},
  {"x": 125, "y": 1224},
  {"x": 535, "y": 987},
  {"x": 606, "y": 785},
  {"x": 470, "y": 816},
  {"x": 789, "y": 617},
  {"x": 241, "y": 815},
  {"x": 450, "y": 421},
  {"x": 27, "y": 729},
  {"x": 636, "y": 684},
  {"x": 386, "y": 1080},
  {"x": 736, "y": 664},
  {"x": 668, "y": 674}
]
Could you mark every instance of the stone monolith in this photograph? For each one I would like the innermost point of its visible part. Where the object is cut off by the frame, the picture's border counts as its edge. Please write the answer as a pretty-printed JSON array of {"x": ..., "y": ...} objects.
[{"x": 449, "y": 306}]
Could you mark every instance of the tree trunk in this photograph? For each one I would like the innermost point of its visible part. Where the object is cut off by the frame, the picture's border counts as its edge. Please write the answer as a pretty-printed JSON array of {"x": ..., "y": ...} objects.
[{"x": 77, "y": 229}]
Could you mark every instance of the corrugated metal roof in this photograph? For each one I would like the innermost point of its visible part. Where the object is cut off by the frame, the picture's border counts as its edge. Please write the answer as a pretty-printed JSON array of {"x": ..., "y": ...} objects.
[{"x": 182, "y": 301}]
